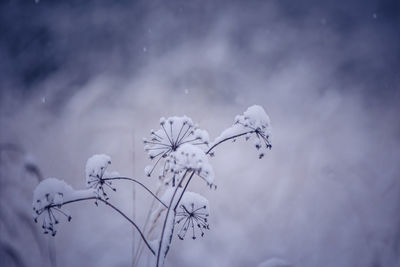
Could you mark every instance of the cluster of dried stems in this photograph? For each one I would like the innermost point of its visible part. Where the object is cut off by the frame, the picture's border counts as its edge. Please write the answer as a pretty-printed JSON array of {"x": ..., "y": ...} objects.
[{"x": 171, "y": 206}]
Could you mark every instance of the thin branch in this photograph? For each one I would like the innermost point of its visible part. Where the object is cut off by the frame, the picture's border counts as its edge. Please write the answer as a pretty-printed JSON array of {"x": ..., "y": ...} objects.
[
  {"x": 226, "y": 139},
  {"x": 166, "y": 219},
  {"x": 147, "y": 232},
  {"x": 116, "y": 209},
  {"x": 139, "y": 183},
  {"x": 183, "y": 191}
]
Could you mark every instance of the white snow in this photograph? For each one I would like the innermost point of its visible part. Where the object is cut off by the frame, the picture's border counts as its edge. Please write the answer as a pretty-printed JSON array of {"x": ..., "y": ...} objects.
[
  {"x": 202, "y": 135},
  {"x": 256, "y": 117},
  {"x": 97, "y": 176},
  {"x": 167, "y": 196},
  {"x": 195, "y": 199},
  {"x": 96, "y": 167},
  {"x": 192, "y": 215},
  {"x": 48, "y": 198},
  {"x": 174, "y": 132},
  {"x": 253, "y": 123},
  {"x": 51, "y": 191},
  {"x": 192, "y": 158}
]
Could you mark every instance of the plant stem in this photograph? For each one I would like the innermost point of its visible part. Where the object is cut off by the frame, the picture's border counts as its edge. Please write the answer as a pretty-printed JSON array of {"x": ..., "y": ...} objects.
[
  {"x": 183, "y": 191},
  {"x": 140, "y": 247},
  {"x": 166, "y": 219},
  {"x": 117, "y": 210},
  {"x": 139, "y": 183},
  {"x": 226, "y": 139}
]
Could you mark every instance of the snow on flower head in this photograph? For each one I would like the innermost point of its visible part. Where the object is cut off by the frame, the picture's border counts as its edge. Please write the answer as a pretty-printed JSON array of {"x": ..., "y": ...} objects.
[
  {"x": 97, "y": 175},
  {"x": 191, "y": 158},
  {"x": 174, "y": 132},
  {"x": 48, "y": 198},
  {"x": 254, "y": 117},
  {"x": 254, "y": 124},
  {"x": 193, "y": 213}
]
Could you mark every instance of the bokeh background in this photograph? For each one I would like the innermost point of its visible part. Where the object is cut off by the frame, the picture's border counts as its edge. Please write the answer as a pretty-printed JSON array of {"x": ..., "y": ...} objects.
[{"x": 84, "y": 77}]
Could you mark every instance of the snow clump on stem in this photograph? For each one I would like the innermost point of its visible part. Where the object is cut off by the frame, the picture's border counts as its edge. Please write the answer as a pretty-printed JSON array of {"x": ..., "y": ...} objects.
[
  {"x": 254, "y": 124},
  {"x": 97, "y": 175},
  {"x": 48, "y": 198}
]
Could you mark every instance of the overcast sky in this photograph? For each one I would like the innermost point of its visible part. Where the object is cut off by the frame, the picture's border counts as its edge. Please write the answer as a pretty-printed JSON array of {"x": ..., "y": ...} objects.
[{"x": 85, "y": 77}]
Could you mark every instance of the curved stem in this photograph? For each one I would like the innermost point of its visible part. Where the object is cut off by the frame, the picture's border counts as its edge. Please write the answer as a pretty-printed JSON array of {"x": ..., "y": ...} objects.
[
  {"x": 146, "y": 231},
  {"x": 166, "y": 219},
  {"x": 183, "y": 191},
  {"x": 117, "y": 210},
  {"x": 226, "y": 139},
  {"x": 139, "y": 183}
]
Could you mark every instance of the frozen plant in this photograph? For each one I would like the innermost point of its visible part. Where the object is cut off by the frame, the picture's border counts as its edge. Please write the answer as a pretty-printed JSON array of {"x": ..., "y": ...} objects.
[
  {"x": 193, "y": 212},
  {"x": 181, "y": 152},
  {"x": 48, "y": 199}
]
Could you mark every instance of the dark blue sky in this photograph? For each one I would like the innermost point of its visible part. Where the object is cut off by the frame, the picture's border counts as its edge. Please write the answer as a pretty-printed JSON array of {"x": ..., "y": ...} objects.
[{"x": 81, "y": 38}]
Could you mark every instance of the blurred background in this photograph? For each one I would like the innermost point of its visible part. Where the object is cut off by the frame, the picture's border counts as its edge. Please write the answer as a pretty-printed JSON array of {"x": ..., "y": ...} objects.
[{"x": 84, "y": 77}]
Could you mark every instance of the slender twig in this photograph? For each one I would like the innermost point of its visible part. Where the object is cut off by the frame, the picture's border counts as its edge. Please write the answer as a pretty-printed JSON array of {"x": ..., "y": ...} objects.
[
  {"x": 140, "y": 247},
  {"x": 226, "y": 139},
  {"x": 116, "y": 209},
  {"x": 139, "y": 183},
  {"x": 183, "y": 191},
  {"x": 166, "y": 219}
]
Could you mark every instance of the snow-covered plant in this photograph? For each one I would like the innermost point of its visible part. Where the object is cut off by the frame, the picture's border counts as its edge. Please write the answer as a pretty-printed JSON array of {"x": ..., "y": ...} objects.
[
  {"x": 174, "y": 132},
  {"x": 254, "y": 124},
  {"x": 193, "y": 212},
  {"x": 181, "y": 151},
  {"x": 48, "y": 199},
  {"x": 97, "y": 175}
]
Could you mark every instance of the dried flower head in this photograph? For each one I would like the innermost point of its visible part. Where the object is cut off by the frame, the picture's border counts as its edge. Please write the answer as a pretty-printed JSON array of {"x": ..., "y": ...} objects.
[
  {"x": 174, "y": 132},
  {"x": 193, "y": 212},
  {"x": 190, "y": 158},
  {"x": 48, "y": 198},
  {"x": 96, "y": 174},
  {"x": 255, "y": 124},
  {"x": 256, "y": 119}
]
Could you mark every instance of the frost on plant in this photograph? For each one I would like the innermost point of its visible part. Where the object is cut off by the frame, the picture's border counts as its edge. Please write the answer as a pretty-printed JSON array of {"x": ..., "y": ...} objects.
[
  {"x": 48, "y": 198},
  {"x": 174, "y": 132},
  {"x": 97, "y": 176},
  {"x": 190, "y": 158},
  {"x": 181, "y": 151},
  {"x": 192, "y": 215},
  {"x": 255, "y": 125}
]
